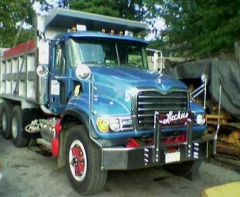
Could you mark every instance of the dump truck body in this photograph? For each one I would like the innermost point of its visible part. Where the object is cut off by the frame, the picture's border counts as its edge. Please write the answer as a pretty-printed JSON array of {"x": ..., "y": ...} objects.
[{"x": 89, "y": 97}]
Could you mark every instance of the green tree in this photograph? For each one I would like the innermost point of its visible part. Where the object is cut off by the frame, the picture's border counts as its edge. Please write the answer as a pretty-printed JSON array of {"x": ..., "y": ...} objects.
[
  {"x": 201, "y": 27},
  {"x": 130, "y": 9},
  {"x": 11, "y": 12}
]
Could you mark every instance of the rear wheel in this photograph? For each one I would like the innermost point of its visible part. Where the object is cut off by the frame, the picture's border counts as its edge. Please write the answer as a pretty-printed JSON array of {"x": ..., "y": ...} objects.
[
  {"x": 6, "y": 116},
  {"x": 184, "y": 168},
  {"x": 17, "y": 131},
  {"x": 83, "y": 162}
]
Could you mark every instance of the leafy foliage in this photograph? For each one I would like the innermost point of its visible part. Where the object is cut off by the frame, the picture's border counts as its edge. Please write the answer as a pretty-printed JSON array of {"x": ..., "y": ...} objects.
[
  {"x": 121, "y": 8},
  {"x": 196, "y": 26},
  {"x": 201, "y": 27},
  {"x": 11, "y": 12}
]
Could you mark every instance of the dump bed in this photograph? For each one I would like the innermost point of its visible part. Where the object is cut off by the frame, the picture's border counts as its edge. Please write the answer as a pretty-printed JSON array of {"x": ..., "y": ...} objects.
[{"x": 18, "y": 76}]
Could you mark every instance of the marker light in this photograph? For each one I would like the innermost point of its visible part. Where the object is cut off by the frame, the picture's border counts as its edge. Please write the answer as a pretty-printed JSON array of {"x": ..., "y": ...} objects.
[
  {"x": 74, "y": 29},
  {"x": 81, "y": 28},
  {"x": 128, "y": 33}
]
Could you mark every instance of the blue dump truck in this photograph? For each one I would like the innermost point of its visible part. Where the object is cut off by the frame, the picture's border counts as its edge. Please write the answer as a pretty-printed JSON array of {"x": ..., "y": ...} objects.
[{"x": 82, "y": 89}]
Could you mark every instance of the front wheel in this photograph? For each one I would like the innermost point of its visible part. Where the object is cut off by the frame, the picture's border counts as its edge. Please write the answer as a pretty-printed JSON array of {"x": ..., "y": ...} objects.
[{"x": 83, "y": 162}]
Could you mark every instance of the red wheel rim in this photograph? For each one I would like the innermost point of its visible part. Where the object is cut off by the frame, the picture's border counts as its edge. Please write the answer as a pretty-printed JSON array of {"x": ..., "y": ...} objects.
[{"x": 78, "y": 160}]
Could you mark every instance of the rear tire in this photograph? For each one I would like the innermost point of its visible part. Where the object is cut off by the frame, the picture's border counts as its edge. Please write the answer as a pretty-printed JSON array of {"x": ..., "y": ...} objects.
[
  {"x": 184, "y": 168},
  {"x": 83, "y": 162},
  {"x": 6, "y": 117},
  {"x": 17, "y": 131}
]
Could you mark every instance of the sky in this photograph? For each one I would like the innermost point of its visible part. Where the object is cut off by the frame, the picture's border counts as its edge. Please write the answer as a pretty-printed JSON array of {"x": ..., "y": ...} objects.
[{"x": 159, "y": 25}]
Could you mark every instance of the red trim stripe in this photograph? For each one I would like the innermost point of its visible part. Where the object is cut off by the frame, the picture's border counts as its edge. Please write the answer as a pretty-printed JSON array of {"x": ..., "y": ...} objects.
[{"x": 19, "y": 49}]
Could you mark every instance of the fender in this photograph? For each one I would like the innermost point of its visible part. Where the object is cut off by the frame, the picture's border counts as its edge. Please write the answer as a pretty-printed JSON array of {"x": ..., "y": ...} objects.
[{"x": 72, "y": 116}]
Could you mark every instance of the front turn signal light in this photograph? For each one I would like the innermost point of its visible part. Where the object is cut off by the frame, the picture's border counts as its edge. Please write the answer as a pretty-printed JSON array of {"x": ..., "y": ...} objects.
[{"x": 103, "y": 125}]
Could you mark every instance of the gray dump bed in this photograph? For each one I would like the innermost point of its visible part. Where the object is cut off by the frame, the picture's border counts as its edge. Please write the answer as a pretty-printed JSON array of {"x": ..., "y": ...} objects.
[{"x": 63, "y": 18}]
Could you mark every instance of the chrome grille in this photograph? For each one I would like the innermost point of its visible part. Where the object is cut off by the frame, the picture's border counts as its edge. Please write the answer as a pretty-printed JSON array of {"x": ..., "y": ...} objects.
[{"x": 150, "y": 101}]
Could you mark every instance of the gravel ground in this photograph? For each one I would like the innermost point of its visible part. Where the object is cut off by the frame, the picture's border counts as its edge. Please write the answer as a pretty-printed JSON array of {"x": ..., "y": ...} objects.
[{"x": 26, "y": 173}]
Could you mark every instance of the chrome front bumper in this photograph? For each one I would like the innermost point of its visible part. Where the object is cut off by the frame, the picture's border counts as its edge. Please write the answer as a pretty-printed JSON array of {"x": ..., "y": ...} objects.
[
  {"x": 135, "y": 158},
  {"x": 123, "y": 158}
]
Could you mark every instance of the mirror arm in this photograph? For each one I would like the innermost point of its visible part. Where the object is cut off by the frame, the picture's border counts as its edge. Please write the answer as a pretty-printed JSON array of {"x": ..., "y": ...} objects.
[
  {"x": 59, "y": 79},
  {"x": 41, "y": 35}
]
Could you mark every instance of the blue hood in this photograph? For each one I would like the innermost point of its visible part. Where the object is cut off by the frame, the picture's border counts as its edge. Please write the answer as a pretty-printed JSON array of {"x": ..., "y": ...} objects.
[{"x": 112, "y": 80}]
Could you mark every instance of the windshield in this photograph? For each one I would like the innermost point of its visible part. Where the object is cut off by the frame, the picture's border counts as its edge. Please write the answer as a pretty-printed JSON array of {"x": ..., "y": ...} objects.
[{"x": 112, "y": 53}]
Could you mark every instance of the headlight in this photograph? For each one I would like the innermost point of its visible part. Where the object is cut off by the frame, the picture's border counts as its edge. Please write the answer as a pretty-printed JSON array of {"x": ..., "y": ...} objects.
[
  {"x": 200, "y": 119},
  {"x": 106, "y": 124},
  {"x": 114, "y": 124}
]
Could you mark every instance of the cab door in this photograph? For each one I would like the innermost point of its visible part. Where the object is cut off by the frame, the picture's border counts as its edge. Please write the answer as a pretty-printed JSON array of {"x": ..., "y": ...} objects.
[{"x": 58, "y": 79}]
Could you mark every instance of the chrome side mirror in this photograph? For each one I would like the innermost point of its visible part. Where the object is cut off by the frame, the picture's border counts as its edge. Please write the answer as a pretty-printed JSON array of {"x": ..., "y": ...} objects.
[
  {"x": 83, "y": 72},
  {"x": 204, "y": 78},
  {"x": 42, "y": 71}
]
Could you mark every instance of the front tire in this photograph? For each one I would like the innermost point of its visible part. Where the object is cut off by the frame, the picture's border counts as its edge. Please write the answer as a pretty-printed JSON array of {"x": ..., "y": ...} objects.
[
  {"x": 6, "y": 117},
  {"x": 17, "y": 129},
  {"x": 83, "y": 162}
]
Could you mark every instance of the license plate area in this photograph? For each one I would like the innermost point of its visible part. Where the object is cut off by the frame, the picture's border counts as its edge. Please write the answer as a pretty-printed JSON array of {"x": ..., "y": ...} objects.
[{"x": 172, "y": 157}]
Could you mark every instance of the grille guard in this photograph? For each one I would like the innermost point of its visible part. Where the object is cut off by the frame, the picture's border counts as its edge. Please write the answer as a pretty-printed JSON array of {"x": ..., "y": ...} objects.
[
  {"x": 159, "y": 123},
  {"x": 122, "y": 158}
]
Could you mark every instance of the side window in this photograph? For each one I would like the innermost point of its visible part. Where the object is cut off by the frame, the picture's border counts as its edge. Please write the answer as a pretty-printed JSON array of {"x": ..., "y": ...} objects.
[
  {"x": 60, "y": 61},
  {"x": 130, "y": 55}
]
